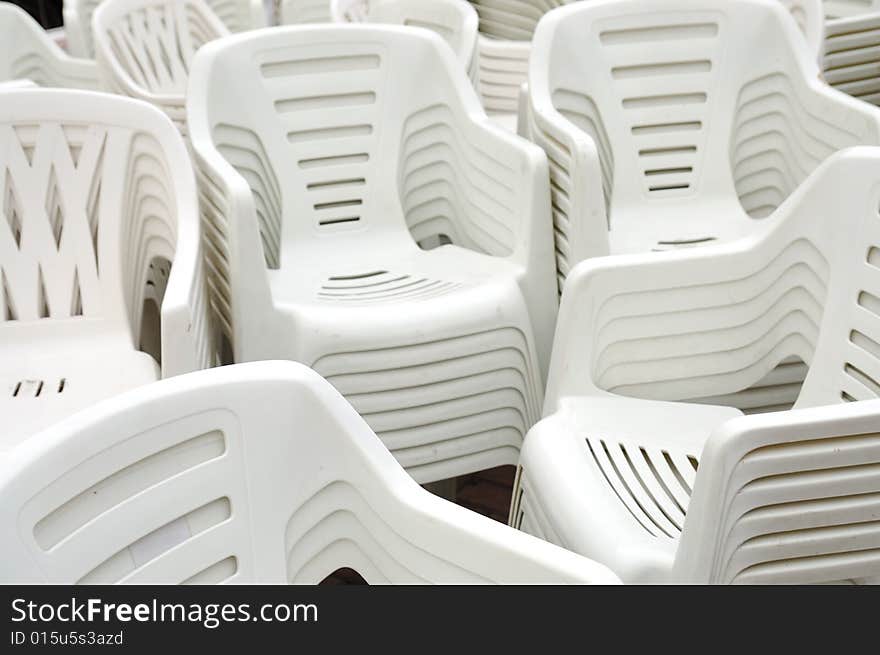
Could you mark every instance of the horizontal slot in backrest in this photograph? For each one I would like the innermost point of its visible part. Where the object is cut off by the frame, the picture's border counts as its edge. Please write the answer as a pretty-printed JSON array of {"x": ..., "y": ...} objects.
[
  {"x": 663, "y": 69},
  {"x": 329, "y": 103},
  {"x": 158, "y": 542},
  {"x": 125, "y": 483},
  {"x": 861, "y": 363}
]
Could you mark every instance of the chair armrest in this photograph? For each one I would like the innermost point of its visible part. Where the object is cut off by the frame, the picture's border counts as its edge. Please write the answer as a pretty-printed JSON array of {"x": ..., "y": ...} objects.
[
  {"x": 303, "y": 471},
  {"x": 188, "y": 339},
  {"x": 234, "y": 252},
  {"x": 686, "y": 325},
  {"x": 189, "y": 342},
  {"x": 579, "y": 205},
  {"x": 785, "y": 497},
  {"x": 807, "y": 120}
]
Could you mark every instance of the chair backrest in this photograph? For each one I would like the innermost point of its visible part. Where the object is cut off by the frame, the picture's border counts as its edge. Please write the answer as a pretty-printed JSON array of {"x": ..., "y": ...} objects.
[
  {"x": 293, "y": 12},
  {"x": 92, "y": 187},
  {"x": 315, "y": 118},
  {"x": 237, "y": 15},
  {"x": 786, "y": 498},
  {"x": 144, "y": 48},
  {"x": 455, "y": 21},
  {"x": 679, "y": 105},
  {"x": 27, "y": 52},
  {"x": 254, "y": 473}
]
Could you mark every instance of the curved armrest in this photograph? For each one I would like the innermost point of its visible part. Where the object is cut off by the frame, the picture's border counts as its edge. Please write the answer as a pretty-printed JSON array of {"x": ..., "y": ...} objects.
[
  {"x": 312, "y": 487},
  {"x": 578, "y": 198},
  {"x": 188, "y": 339},
  {"x": 686, "y": 325},
  {"x": 234, "y": 249}
]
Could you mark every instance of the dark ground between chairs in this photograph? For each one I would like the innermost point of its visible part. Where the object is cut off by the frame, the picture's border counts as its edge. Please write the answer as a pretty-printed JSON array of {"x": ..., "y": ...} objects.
[
  {"x": 46, "y": 12},
  {"x": 487, "y": 493}
]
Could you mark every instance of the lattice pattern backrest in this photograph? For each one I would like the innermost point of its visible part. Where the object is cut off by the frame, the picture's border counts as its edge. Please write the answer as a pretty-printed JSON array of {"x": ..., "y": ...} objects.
[
  {"x": 513, "y": 20},
  {"x": 235, "y": 14},
  {"x": 153, "y": 41},
  {"x": 86, "y": 210}
]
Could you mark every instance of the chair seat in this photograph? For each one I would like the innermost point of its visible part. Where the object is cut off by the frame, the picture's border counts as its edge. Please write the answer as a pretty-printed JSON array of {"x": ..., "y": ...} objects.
[
  {"x": 433, "y": 348},
  {"x": 624, "y": 465},
  {"x": 646, "y": 229},
  {"x": 381, "y": 273},
  {"x": 50, "y": 384}
]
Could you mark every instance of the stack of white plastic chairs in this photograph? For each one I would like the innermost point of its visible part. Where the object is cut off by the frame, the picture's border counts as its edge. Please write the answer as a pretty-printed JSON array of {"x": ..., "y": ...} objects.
[
  {"x": 28, "y": 54},
  {"x": 338, "y": 196},
  {"x": 506, "y": 28},
  {"x": 851, "y": 60},
  {"x": 454, "y": 20}
]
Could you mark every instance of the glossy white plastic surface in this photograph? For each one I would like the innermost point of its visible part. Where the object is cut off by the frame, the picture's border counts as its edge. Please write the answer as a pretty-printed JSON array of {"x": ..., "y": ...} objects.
[
  {"x": 258, "y": 473},
  {"x": 324, "y": 160},
  {"x": 661, "y": 490},
  {"x": 99, "y": 241}
]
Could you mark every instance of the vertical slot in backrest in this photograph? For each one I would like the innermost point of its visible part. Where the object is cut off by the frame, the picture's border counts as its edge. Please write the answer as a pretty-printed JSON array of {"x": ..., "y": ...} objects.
[{"x": 50, "y": 196}]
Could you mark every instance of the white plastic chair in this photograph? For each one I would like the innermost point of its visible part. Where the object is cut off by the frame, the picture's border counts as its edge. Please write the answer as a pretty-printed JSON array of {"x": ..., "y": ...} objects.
[
  {"x": 98, "y": 199},
  {"x": 144, "y": 48},
  {"x": 666, "y": 129},
  {"x": 620, "y": 473},
  {"x": 259, "y": 473},
  {"x": 810, "y": 18},
  {"x": 506, "y": 28},
  {"x": 317, "y": 147},
  {"x": 236, "y": 15},
  {"x": 27, "y": 52},
  {"x": 454, "y": 20},
  {"x": 294, "y": 12},
  {"x": 852, "y": 43}
]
